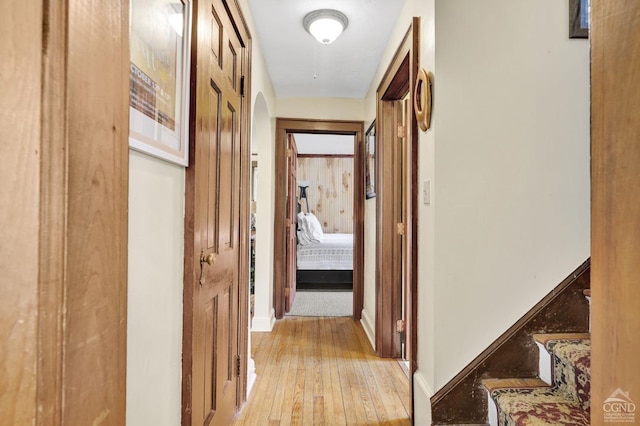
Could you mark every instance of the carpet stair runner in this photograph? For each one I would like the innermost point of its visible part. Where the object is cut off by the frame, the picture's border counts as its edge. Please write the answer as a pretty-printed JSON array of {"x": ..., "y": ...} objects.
[{"x": 560, "y": 396}]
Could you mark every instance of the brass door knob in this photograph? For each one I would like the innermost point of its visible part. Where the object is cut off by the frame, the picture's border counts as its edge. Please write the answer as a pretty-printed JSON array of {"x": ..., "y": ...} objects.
[{"x": 209, "y": 258}]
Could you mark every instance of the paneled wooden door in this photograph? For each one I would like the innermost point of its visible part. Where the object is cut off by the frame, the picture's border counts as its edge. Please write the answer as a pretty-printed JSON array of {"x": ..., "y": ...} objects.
[
  {"x": 292, "y": 211},
  {"x": 211, "y": 361}
]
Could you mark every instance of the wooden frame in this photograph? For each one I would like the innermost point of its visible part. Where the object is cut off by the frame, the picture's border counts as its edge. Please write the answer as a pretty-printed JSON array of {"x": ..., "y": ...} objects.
[
  {"x": 158, "y": 110},
  {"x": 64, "y": 314},
  {"x": 615, "y": 203},
  {"x": 293, "y": 125},
  {"x": 392, "y": 208},
  {"x": 370, "y": 161},
  {"x": 578, "y": 19}
]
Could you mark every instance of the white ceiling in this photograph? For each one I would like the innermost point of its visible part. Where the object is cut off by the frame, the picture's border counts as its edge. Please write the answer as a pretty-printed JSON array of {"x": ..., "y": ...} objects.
[{"x": 344, "y": 68}]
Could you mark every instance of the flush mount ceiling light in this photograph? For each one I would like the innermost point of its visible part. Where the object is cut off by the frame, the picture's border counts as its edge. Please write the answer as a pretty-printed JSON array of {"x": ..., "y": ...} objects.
[{"x": 325, "y": 25}]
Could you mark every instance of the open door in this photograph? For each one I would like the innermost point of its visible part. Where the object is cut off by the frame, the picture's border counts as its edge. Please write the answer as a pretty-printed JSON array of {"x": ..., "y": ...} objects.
[
  {"x": 214, "y": 249},
  {"x": 291, "y": 227}
]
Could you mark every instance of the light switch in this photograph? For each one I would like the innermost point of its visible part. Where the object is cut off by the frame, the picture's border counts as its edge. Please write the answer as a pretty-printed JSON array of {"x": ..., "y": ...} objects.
[{"x": 426, "y": 192}]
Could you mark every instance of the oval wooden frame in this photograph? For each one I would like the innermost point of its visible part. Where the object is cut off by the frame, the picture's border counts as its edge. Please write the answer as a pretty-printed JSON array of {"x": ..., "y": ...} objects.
[{"x": 422, "y": 100}]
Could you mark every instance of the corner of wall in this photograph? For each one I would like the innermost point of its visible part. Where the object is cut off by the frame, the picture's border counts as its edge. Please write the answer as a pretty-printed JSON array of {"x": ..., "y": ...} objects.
[
  {"x": 369, "y": 327},
  {"x": 422, "y": 394},
  {"x": 264, "y": 323}
]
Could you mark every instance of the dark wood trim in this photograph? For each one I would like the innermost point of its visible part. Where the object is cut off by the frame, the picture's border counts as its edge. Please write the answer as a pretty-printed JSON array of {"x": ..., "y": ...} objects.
[
  {"x": 388, "y": 242},
  {"x": 325, "y": 155},
  {"x": 412, "y": 246},
  {"x": 293, "y": 125},
  {"x": 245, "y": 207},
  {"x": 395, "y": 85},
  {"x": 514, "y": 353}
]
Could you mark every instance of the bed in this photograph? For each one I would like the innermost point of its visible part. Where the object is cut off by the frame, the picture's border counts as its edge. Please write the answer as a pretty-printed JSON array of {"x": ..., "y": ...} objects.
[{"x": 324, "y": 261}]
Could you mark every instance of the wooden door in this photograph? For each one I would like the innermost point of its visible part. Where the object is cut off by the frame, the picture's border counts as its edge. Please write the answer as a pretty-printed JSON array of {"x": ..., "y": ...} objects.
[
  {"x": 212, "y": 223},
  {"x": 292, "y": 211}
]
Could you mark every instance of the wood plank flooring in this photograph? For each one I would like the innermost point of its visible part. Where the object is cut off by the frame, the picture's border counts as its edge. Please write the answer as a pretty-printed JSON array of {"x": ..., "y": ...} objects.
[{"x": 323, "y": 371}]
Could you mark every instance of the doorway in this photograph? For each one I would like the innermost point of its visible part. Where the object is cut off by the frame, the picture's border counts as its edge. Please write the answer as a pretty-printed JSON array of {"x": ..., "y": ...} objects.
[
  {"x": 284, "y": 127},
  {"x": 321, "y": 195},
  {"x": 396, "y": 223}
]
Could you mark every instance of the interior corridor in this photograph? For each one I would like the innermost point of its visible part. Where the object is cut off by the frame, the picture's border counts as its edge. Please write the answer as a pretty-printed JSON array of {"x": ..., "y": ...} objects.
[{"x": 323, "y": 371}]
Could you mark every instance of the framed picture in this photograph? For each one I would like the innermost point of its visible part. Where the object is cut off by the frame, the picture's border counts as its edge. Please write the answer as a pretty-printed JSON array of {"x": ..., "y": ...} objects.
[
  {"x": 370, "y": 161},
  {"x": 159, "y": 78},
  {"x": 578, "y": 19}
]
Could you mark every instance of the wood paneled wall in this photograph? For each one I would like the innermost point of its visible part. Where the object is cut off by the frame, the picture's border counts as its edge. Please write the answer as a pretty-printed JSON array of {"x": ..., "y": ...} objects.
[{"x": 330, "y": 191}]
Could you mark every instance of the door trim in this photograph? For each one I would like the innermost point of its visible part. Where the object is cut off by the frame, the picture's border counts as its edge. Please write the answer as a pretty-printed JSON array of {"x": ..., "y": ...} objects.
[
  {"x": 397, "y": 82},
  {"x": 294, "y": 125}
]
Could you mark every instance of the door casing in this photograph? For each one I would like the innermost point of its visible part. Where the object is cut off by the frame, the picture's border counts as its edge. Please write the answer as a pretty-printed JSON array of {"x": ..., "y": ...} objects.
[{"x": 294, "y": 125}]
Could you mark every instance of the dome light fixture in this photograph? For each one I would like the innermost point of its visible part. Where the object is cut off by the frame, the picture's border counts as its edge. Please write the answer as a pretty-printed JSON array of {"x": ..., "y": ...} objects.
[{"x": 325, "y": 25}]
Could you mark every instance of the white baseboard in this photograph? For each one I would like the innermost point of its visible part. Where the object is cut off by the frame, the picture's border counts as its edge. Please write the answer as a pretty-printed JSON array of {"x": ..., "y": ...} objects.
[
  {"x": 264, "y": 323},
  {"x": 422, "y": 394},
  {"x": 251, "y": 375},
  {"x": 369, "y": 328}
]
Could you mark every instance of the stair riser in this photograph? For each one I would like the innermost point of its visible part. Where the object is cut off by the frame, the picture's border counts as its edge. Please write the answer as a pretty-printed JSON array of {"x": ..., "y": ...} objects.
[
  {"x": 492, "y": 410},
  {"x": 544, "y": 364}
]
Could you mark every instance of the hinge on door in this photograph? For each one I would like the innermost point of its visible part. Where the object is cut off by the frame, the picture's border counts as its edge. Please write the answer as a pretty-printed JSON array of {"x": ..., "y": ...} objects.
[
  {"x": 400, "y": 326},
  {"x": 400, "y": 228},
  {"x": 242, "y": 86},
  {"x": 289, "y": 153},
  {"x": 402, "y": 131},
  {"x": 237, "y": 365}
]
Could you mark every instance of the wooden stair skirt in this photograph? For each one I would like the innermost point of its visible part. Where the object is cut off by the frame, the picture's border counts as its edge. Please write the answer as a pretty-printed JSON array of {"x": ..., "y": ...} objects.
[{"x": 513, "y": 359}]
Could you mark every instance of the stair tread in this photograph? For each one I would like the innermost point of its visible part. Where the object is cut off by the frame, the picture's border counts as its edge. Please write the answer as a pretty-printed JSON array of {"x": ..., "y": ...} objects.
[
  {"x": 538, "y": 405},
  {"x": 495, "y": 384},
  {"x": 545, "y": 338}
]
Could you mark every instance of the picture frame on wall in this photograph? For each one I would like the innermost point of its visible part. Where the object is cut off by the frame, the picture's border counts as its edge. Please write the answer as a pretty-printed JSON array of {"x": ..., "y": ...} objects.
[
  {"x": 578, "y": 18},
  {"x": 370, "y": 161},
  {"x": 159, "y": 73}
]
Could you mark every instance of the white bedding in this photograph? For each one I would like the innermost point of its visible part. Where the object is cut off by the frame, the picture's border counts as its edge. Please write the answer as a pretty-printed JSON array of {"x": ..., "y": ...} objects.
[{"x": 334, "y": 252}]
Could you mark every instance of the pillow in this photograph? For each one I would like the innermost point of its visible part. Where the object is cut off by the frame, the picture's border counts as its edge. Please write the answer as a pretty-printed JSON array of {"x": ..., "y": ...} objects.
[
  {"x": 314, "y": 229},
  {"x": 303, "y": 237},
  {"x": 309, "y": 229}
]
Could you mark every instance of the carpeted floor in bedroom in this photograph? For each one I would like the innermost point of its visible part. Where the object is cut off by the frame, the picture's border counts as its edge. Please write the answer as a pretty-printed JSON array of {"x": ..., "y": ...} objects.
[{"x": 322, "y": 304}]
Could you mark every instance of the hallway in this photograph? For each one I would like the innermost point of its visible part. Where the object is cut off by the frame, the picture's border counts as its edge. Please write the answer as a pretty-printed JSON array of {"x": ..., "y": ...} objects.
[{"x": 323, "y": 371}]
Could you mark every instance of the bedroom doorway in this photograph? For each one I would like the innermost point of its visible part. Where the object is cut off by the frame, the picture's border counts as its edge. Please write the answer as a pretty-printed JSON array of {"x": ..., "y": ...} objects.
[
  {"x": 320, "y": 259},
  {"x": 287, "y": 191}
]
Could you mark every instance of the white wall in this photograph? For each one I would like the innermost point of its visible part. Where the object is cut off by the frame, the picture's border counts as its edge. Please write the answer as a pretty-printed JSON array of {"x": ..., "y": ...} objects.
[
  {"x": 507, "y": 157},
  {"x": 263, "y": 108},
  {"x": 511, "y": 167},
  {"x": 154, "y": 323},
  {"x": 264, "y": 135}
]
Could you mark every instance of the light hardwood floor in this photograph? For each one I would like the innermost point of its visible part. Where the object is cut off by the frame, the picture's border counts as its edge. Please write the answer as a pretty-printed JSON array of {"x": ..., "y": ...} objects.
[{"x": 323, "y": 371}]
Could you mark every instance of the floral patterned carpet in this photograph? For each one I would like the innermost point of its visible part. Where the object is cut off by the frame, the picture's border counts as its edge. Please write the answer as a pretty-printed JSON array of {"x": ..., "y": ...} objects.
[{"x": 565, "y": 402}]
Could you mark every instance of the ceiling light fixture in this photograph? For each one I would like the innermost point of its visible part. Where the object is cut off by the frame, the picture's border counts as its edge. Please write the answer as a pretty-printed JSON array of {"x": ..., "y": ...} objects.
[{"x": 325, "y": 25}]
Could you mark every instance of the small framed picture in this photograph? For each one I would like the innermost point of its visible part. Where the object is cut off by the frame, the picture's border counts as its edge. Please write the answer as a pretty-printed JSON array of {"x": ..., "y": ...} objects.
[
  {"x": 370, "y": 161},
  {"x": 578, "y": 18},
  {"x": 159, "y": 78}
]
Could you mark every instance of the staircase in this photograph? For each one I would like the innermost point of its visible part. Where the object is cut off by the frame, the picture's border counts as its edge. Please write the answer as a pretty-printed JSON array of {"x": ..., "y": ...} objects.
[
  {"x": 561, "y": 393},
  {"x": 536, "y": 372}
]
